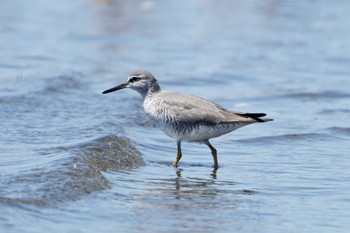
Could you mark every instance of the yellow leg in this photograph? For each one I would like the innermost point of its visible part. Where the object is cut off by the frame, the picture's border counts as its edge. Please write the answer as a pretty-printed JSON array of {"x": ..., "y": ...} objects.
[
  {"x": 179, "y": 154},
  {"x": 214, "y": 154}
]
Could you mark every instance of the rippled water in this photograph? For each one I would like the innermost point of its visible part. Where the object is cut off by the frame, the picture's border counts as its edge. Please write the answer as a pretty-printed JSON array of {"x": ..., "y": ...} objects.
[{"x": 73, "y": 160}]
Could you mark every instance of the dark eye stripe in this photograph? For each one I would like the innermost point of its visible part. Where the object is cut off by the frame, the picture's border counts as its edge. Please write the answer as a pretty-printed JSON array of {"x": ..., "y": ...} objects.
[{"x": 134, "y": 79}]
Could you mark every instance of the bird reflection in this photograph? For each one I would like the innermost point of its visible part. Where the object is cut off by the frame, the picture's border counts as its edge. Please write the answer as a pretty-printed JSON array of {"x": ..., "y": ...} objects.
[
  {"x": 193, "y": 188},
  {"x": 185, "y": 190},
  {"x": 213, "y": 174}
]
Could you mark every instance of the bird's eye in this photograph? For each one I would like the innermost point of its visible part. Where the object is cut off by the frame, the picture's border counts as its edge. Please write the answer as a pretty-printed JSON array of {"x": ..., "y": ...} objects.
[{"x": 134, "y": 79}]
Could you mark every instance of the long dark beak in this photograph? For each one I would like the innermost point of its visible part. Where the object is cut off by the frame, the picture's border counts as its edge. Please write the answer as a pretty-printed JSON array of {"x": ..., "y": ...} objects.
[{"x": 116, "y": 88}]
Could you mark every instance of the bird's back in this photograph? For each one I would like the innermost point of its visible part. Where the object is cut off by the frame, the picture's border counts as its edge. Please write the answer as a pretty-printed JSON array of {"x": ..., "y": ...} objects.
[{"x": 192, "y": 109}]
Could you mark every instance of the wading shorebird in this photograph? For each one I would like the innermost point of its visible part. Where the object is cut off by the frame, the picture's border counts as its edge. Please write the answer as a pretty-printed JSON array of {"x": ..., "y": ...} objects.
[{"x": 185, "y": 117}]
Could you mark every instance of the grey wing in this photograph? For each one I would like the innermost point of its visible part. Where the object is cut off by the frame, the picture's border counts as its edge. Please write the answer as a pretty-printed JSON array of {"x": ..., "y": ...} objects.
[{"x": 193, "y": 109}]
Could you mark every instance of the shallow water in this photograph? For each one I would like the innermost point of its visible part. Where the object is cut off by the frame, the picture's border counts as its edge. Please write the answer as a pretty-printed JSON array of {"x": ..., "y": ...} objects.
[{"x": 72, "y": 159}]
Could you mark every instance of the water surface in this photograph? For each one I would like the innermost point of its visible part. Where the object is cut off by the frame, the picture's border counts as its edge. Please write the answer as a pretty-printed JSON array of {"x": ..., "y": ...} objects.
[{"x": 72, "y": 159}]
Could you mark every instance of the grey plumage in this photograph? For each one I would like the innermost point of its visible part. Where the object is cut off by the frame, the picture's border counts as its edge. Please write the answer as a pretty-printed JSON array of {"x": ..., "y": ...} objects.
[{"x": 186, "y": 117}]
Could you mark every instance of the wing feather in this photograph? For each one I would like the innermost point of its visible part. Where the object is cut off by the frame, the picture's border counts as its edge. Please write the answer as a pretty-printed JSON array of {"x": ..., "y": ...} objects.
[{"x": 192, "y": 109}]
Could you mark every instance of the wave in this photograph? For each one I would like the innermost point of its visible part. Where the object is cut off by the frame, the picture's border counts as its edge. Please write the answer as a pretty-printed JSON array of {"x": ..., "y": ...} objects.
[
  {"x": 64, "y": 83},
  {"x": 310, "y": 96},
  {"x": 327, "y": 134},
  {"x": 319, "y": 95},
  {"x": 70, "y": 178}
]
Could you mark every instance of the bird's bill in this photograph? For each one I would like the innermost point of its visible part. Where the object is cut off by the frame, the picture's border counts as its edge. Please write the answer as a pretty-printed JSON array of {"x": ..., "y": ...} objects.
[{"x": 116, "y": 88}]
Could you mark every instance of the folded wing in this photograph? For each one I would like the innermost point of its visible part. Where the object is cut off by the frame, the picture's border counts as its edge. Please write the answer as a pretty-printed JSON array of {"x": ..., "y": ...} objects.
[{"x": 192, "y": 109}]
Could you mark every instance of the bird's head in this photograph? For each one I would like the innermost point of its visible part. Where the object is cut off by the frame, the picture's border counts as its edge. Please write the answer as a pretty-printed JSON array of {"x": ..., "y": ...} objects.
[{"x": 141, "y": 81}]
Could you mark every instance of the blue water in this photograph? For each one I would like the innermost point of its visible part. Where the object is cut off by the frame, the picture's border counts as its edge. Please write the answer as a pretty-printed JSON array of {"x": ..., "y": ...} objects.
[{"x": 74, "y": 160}]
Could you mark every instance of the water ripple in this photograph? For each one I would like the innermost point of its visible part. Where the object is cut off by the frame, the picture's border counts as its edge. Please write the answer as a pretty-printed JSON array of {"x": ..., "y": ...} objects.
[{"x": 332, "y": 133}]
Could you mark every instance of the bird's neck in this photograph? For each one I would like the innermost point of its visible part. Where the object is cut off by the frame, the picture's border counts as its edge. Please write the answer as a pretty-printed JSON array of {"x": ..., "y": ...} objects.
[
  {"x": 150, "y": 91},
  {"x": 153, "y": 89}
]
